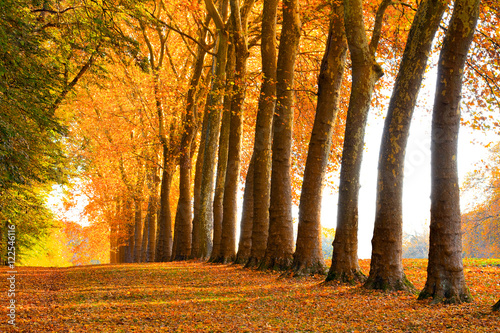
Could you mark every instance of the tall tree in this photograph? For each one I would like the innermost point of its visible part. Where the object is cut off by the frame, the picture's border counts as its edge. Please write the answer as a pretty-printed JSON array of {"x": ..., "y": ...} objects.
[
  {"x": 223, "y": 148},
  {"x": 386, "y": 267},
  {"x": 365, "y": 73},
  {"x": 205, "y": 224},
  {"x": 445, "y": 275},
  {"x": 246, "y": 224},
  {"x": 308, "y": 256},
  {"x": 239, "y": 18},
  {"x": 279, "y": 250},
  {"x": 263, "y": 134},
  {"x": 183, "y": 216}
]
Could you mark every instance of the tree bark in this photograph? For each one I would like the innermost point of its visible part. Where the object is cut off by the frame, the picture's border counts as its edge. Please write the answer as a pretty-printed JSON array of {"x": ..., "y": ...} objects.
[
  {"x": 164, "y": 242},
  {"x": 445, "y": 276},
  {"x": 365, "y": 73},
  {"x": 229, "y": 218},
  {"x": 183, "y": 217},
  {"x": 308, "y": 256},
  {"x": 263, "y": 134},
  {"x": 196, "y": 229},
  {"x": 211, "y": 138},
  {"x": 279, "y": 250},
  {"x": 386, "y": 268},
  {"x": 223, "y": 153},
  {"x": 246, "y": 224}
]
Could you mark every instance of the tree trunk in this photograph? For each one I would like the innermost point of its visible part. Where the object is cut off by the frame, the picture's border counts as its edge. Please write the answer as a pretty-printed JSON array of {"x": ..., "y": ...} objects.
[
  {"x": 246, "y": 224},
  {"x": 308, "y": 257},
  {"x": 211, "y": 139},
  {"x": 223, "y": 153},
  {"x": 445, "y": 276},
  {"x": 138, "y": 227},
  {"x": 496, "y": 307},
  {"x": 164, "y": 242},
  {"x": 386, "y": 268},
  {"x": 279, "y": 250},
  {"x": 263, "y": 134},
  {"x": 196, "y": 228},
  {"x": 183, "y": 217},
  {"x": 113, "y": 236},
  {"x": 365, "y": 73},
  {"x": 151, "y": 221},
  {"x": 229, "y": 218}
]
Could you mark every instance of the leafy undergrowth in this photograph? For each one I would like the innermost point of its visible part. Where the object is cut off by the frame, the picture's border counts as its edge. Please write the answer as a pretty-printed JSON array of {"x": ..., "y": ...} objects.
[{"x": 198, "y": 297}]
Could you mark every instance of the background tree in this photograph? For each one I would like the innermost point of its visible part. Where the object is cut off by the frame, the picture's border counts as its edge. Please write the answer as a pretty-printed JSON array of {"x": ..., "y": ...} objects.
[
  {"x": 308, "y": 256},
  {"x": 263, "y": 135},
  {"x": 279, "y": 250}
]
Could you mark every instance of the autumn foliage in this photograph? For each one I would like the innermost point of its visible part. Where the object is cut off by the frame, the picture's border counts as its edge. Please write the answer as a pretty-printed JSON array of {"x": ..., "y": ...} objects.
[{"x": 197, "y": 297}]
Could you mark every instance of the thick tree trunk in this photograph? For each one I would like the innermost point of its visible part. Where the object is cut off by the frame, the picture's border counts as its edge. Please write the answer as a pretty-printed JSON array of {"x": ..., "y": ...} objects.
[
  {"x": 279, "y": 252},
  {"x": 445, "y": 275},
  {"x": 246, "y": 224},
  {"x": 308, "y": 257},
  {"x": 183, "y": 217},
  {"x": 365, "y": 73},
  {"x": 386, "y": 268},
  {"x": 223, "y": 153},
  {"x": 164, "y": 242},
  {"x": 263, "y": 134},
  {"x": 211, "y": 139}
]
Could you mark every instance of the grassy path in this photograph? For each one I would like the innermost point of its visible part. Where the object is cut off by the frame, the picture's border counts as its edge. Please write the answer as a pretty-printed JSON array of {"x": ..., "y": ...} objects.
[{"x": 196, "y": 297}]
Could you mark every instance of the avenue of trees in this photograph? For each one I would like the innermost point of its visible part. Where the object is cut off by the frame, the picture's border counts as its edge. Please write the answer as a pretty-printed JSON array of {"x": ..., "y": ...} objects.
[{"x": 163, "y": 112}]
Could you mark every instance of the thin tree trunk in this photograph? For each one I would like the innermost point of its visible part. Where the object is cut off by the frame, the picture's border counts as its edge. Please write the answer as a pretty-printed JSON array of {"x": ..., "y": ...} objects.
[
  {"x": 183, "y": 217},
  {"x": 386, "y": 268},
  {"x": 246, "y": 224},
  {"x": 138, "y": 230},
  {"x": 229, "y": 218},
  {"x": 263, "y": 136},
  {"x": 211, "y": 138},
  {"x": 445, "y": 275},
  {"x": 223, "y": 153},
  {"x": 196, "y": 228},
  {"x": 164, "y": 242},
  {"x": 308, "y": 257},
  {"x": 365, "y": 73},
  {"x": 279, "y": 250}
]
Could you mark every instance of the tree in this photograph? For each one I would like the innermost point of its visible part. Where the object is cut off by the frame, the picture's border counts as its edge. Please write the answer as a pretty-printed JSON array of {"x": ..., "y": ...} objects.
[
  {"x": 386, "y": 266},
  {"x": 279, "y": 250},
  {"x": 445, "y": 276},
  {"x": 183, "y": 216},
  {"x": 239, "y": 19},
  {"x": 365, "y": 73},
  {"x": 308, "y": 256},
  {"x": 205, "y": 223},
  {"x": 263, "y": 135}
]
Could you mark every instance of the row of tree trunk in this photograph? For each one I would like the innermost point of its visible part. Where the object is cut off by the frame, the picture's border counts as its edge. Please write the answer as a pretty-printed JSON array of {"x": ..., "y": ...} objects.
[{"x": 266, "y": 237}]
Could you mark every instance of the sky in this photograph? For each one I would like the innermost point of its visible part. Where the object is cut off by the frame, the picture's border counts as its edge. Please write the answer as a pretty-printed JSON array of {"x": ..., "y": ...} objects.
[{"x": 417, "y": 180}]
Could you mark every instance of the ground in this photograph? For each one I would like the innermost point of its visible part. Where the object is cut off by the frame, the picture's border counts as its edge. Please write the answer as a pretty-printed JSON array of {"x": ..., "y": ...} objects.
[{"x": 199, "y": 297}]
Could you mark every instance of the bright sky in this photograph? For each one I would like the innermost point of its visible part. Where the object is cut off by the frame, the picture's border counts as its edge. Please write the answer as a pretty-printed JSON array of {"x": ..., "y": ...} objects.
[{"x": 417, "y": 182}]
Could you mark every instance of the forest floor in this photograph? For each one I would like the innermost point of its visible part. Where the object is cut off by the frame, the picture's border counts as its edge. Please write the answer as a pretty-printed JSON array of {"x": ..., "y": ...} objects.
[{"x": 200, "y": 297}]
